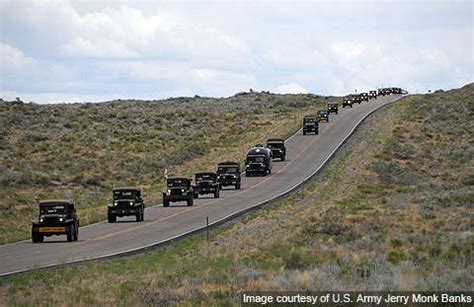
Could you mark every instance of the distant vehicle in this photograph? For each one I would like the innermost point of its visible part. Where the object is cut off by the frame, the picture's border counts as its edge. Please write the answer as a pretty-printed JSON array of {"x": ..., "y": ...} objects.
[
  {"x": 372, "y": 94},
  {"x": 178, "y": 189},
  {"x": 228, "y": 173},
  {"x": 258, "y": 161},
  {"x": 383, "y": 92},
  {"x": 206, "y": 183},
  {"x": 347, "y": 102},
  {"x": 333, "y": 108},
  {"x": 126, "y": 201},
  {"x": 310, "y": 125},
  {"x": 56, "y": 217},
  {"x": 396, "y": 90},
  {"x": 364, "y": 97},
  {"x": 356, "y": 99},
  {"x": 323, "y": 115},
  {"x": 277, "y": 146}
]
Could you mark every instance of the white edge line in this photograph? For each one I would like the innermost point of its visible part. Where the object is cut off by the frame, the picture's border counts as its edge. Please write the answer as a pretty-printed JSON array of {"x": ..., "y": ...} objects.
[{"x": 216, "y": 222}]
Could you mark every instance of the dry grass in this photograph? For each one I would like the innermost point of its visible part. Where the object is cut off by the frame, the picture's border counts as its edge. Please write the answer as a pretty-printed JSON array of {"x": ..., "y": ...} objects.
[{"x": 392, "y": 211}]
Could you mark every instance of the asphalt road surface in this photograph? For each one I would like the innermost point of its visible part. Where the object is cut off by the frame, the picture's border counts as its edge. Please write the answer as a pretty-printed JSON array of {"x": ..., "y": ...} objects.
[{"x": 305, "y": 155}]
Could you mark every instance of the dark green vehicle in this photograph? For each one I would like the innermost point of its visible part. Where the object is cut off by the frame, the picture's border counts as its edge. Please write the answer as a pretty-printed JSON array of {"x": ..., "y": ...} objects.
[
  {"x": 372, "y": 94},
  {"x": 206, "y": 183},
  {"x": 333, "y": 108},
  {"x": 310, "y": 125},
  {"x": 323, "y": 115},
  {"x": 347, "y": 102},
  {"x": 228, "y": 173},
  {"x": 364, "y": 97},
  {"x": 178, "y": 189},
  {"x": 277, "y": 146},
  {"x": 126, "y": 201},
  {"x": 56, "y": 217}
]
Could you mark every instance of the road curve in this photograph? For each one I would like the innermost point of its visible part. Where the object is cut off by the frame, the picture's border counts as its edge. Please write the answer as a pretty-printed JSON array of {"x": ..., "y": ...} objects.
[{"x": 306, "y": 155}]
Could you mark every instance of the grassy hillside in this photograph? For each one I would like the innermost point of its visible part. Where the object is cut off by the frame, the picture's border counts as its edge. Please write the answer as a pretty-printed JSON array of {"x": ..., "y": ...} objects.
[
  {"x": 393, "y": 211},
  {"x": 82, "y": 151}
]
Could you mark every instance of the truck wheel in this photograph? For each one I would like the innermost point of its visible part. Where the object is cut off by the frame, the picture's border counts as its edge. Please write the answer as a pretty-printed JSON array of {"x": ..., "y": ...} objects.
[
  {"x": 195, "y": 195},
  {"x": 246, "y": 175},
  {"x": 216, "y": 194},
  {"x": 237, "y": 186},
  {"x": 190, "y": 201},
  {"x": 40, "y": 238},
  {"x": 34, "y": 237},
  {"x": 111, "y": 218},
  {"x": 70, "y": 234},
  {"x": 76, "y": 234},
  {"x": 317, "y": 132},
  {"x": 337, "y": 112},
  {"x": 166, "y": 203},
  {"x": 137, "y": 217},
  {"x": 283, "y": 158},
  {"x": 304, "y": 132},
  {"x": 142, "y": 216}
]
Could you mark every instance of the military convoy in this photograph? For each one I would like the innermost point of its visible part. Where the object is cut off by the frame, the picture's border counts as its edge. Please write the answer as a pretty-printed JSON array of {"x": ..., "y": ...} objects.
[
  {"x": 126, "y": 201},
  {"x": 56, "y": 217}
]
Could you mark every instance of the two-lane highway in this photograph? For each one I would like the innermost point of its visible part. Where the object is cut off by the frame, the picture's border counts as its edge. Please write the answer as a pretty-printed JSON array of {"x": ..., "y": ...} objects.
[{"x": 305, "y": 156}]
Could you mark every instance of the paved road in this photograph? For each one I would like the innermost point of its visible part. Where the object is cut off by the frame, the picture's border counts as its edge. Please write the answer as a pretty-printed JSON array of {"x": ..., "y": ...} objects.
[{"x": 305, "y": 155}]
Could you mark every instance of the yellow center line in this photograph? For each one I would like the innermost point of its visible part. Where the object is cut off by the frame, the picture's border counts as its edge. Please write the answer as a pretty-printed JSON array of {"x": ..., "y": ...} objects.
[{"x": 206, "y": 203}]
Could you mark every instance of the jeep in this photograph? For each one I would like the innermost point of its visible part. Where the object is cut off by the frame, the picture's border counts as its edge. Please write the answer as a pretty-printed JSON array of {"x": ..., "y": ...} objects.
[
  {"x": 206, "y": 183},
  {"x": 333, "y": 108},
  {"x": 323, "y": 115},
  {"x": 347, "y": 102},
  {"x": 178, "y": 189},
  {"x": 364, "y": 97},
  {"x": 373, "y": 95},
  {"x": 356, "y": 99},
  {"x": 277, "y": 146},
  {"x": 126, "y": 201},
  {"x": 228, "y": 173},
  {"x": 258, "y": 161},
  {"x": 310, "y": 124},
  {"x": 56, "y": 217}
]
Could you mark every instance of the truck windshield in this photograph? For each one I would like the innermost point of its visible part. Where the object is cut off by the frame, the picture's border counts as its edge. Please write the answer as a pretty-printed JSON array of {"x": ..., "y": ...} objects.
[
  {"x": 124, "y": 194},
  {"x": 53, "y": 209},
  {"x": 309, "y": 121},
  {"x": 228, "y": 170},
  {"x": 201, "y": 177},
  {"x": 256, "y": 159},
  {"x": 275, "y": 145},
  {"x": 177, "y": 183}
]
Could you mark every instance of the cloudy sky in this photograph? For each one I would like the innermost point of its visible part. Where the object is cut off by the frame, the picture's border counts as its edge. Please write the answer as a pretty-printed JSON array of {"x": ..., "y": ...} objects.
[{"x": 55, "y": 51}]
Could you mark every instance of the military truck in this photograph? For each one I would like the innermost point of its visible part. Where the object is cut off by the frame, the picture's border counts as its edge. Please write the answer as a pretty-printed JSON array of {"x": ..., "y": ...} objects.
[
  {"x": 178, "y": 189},
  {"x": 310, "y": 124},
  {"x": 206, "y": 183},
  {"x": 323, "y": 115},
  {"x": 356, "y": 99},
  {"x": 277, "y": 146},
  {"x": 364, "y": 97},
  {"x": 372, "y": 94},
  {"x": 126, "y": 201},
  {"x": 347, "y": 102},
  {"x": 228, "y": 173},
  {"x": 56, "y": 217},
  {"x": 333, "y": 108},
  {"x": 258, "y": 161}
]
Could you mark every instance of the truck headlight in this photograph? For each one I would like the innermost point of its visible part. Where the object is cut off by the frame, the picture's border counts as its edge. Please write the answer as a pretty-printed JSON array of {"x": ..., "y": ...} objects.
[
  {"x": 131, "y": 203},
  {"x": 115, "y": 204},
  {"x": 234, "y": 176},
  {"x": 61, "y": 219},
  {"x": 41, "y": 220}
]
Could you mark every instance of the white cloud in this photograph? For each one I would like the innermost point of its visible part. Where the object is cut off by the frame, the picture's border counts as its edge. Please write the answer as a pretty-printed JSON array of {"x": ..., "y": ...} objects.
[
  {"x": 290, "y": 88},
  {"x": 124, "y": 48}
]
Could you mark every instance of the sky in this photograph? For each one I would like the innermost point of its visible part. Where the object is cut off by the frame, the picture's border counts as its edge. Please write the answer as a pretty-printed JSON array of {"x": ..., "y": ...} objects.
[{"x": 54, "y": 51}]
